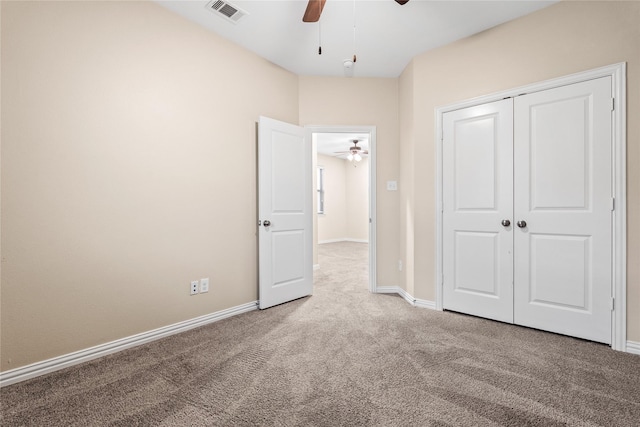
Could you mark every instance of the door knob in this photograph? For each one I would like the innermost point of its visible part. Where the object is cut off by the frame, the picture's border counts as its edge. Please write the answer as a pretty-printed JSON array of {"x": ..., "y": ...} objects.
[
  {"x": 506, "y": 222},
  {"x": 521, "y": 224},
  {"x": 266, "y": 223}
]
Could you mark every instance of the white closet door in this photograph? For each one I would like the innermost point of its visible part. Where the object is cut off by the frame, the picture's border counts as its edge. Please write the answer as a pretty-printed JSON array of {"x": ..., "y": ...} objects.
[
  {"x": 477, "y": 197},
  {"x": 562, "y": 156}
]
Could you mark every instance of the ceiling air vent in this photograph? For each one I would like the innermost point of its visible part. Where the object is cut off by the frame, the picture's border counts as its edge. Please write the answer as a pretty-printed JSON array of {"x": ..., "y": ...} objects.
[{"x": 226, "y": 10}]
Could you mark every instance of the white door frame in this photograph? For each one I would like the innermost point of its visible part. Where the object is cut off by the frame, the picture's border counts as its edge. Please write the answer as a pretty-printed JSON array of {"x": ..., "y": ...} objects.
[
  {"x": 617, "y": 72},
  {"x": 371, "y": 130}
]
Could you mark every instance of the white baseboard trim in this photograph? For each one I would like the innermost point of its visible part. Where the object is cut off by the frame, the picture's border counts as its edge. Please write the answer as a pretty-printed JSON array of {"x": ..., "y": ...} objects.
[
  {"x": 316, "y": 266},
  {"x": 345, "y": 239},
  {"x": 356, "y": 240},
  {"x": 60, "y": 362},
  {"x": 633, "y": 347},
  {"x": 324, "y": 242},
  {"x": 422, "y": 303},
  {"x": 406, "y": 295},
  {"x": 387, "y": 289},
  {"x": 425, "y": 303}
]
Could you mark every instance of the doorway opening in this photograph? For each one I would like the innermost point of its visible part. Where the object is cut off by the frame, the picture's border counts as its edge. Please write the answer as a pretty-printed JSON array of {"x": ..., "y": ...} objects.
[{"x": 344, "y": 203}]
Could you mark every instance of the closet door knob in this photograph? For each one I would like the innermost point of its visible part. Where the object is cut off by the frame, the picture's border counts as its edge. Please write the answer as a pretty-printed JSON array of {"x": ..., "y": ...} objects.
[
  {"x": 521, "y": 224},
  {"x": 266, "y": 223},
  {"x": 506, "y": 222}
]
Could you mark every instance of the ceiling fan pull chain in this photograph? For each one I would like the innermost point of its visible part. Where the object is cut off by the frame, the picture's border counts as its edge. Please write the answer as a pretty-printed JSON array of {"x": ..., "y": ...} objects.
[
  {"x": 354, "y": 31},
  {"x": 319, "y": 38}
]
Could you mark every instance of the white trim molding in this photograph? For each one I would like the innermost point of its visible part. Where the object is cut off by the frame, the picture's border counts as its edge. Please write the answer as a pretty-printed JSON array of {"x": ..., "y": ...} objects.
[
  {"x": 344, "y": 239},
  {"x": 406, "y": 296},
  {"x": 388, "y": 289},
  {"x": 425, "y": 303},
  {"x": 421, "y": 303},
  {"x": 617, "y": 72},
  {"x": 396, "y": 290},
  {"x": 324, "y": 242},
  {"x": 60, "y": 362},
  {"x": 633, "y": 347}
]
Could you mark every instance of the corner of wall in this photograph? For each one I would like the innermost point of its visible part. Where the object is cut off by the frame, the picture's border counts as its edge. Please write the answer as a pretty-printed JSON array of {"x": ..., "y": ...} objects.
[{"x": 406, "y": 119}]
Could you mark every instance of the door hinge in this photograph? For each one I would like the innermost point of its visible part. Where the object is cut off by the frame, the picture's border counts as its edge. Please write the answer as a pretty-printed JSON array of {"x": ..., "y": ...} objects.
[
  {"x": 612, "y": 303},
  {"x": 613, "y": 204},
  {"x": 613, "y": 104}
]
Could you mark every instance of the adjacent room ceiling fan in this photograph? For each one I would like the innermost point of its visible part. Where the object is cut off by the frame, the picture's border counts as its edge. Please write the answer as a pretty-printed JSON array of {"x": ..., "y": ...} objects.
[
  {"x": 355, "y": 152},
  {"x": 314, "y": 9}
]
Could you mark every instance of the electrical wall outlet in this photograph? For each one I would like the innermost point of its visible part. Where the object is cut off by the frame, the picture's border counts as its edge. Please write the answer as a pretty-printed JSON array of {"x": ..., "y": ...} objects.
[
  {"x": 194, "y": 287},
  {"x": 399, "y": 265},
  {"x": 204, "y": 285}
]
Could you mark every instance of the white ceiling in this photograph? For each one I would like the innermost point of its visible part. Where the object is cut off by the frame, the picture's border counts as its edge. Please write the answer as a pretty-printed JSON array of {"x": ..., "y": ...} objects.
[
  {"x": 330, "y": 144},
  {"x": 387, "y": 35}
]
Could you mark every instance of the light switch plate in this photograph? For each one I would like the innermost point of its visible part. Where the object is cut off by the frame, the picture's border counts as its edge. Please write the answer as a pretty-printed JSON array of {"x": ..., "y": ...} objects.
[
  {"x": 204, "y": 285},
  {"x": 392, "y": 185}
]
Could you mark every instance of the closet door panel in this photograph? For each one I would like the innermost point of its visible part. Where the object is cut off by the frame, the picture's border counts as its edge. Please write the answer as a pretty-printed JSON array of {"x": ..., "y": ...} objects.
[
  {"x": 562, "y": 190},
  {"x": 477, "y": 197}
]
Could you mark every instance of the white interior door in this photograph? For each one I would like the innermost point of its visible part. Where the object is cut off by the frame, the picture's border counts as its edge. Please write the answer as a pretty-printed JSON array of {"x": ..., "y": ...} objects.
[
  {"x": 563, "y": 191},
  {"x": 477, "y": 197},
  {"x": 285, "y": 213}
]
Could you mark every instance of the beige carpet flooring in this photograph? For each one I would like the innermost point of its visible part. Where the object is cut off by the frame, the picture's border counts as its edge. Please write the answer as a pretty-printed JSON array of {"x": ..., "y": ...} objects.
[{"x": 342, "y": 357}]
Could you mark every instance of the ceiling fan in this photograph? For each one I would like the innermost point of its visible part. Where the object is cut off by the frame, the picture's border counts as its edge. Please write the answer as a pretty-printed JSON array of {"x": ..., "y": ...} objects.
[
  {"x": 355, "y": 152},
  {"x": 314, "y": 9}
]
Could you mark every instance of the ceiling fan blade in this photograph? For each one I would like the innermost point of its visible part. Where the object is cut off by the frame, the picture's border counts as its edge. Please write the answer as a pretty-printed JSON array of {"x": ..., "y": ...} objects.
[
  {"x": 314, "y": 10},
  {"x": 401, "y": 2}
]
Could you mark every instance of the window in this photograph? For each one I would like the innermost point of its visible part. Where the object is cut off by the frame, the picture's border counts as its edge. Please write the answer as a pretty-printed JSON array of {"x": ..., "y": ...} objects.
[{"x": 320, "y": 190}]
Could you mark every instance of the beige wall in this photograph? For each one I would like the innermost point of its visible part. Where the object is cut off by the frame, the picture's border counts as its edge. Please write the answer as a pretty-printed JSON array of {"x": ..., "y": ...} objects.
[
  {"x": 406, "y": 185},
  {"x": 346, "y": 199},
  {"x": 332, "y": 225},
  {"x": 357, "y": 189},
  {"x": 339, "y": 101},
  {"x": 1, "y": 256},
  {"x": 128, "y": 169},
  {"x": 562, "y": 39}
]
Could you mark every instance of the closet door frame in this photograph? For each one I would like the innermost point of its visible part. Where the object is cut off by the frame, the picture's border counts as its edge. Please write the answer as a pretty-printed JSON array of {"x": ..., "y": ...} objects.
[{"x": 617, "y": 72}]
